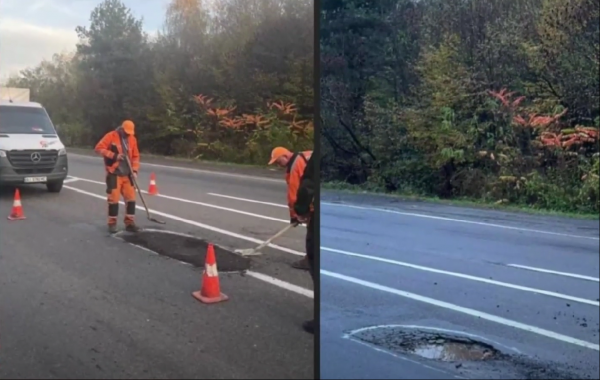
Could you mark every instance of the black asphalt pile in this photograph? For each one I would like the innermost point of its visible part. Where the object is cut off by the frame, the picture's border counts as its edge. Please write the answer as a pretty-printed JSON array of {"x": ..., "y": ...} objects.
[{"x": 188, "y": 249}]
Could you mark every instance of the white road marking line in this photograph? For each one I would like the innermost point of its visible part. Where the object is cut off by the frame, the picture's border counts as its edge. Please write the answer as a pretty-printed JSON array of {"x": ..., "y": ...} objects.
[
  {"x": 199, "y": 203},
  {"x": 259, "y": 276},
  {"x": 197, "y": 224},
  {"x": 464, "y": 310},
  {"x": 71, "y": 179},
  {"x": 282, "y": 284},
  {"x": 566, "y": 274},
  {"x": 466, "y": 276},
  {"x": 241, "y": 176},
  {"x": 388, "y": 352},
  {"x": 248, "y": 200},
  {"x": 460, "y": 221}
]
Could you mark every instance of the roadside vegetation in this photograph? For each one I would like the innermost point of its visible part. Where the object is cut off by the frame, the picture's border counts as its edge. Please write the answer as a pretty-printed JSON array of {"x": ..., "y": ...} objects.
[
  {"x": 494, "y": 102},
  {"x": 224, "y": 81}
]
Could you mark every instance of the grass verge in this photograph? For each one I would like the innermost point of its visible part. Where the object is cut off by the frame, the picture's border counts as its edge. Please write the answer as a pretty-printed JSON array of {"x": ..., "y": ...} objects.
[
  {"x": 89, "y": 151},
  {"x": 460, "y": 202}
]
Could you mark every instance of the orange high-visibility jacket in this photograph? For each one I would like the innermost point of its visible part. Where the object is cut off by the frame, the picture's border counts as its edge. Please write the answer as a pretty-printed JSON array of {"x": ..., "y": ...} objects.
[
  {"x": 110, "y": 146},
  {"x": 293, "y": 174}
]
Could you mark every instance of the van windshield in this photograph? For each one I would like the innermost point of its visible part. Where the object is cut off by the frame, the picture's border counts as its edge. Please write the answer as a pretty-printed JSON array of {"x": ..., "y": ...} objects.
[{"x": 25, "y": 120}]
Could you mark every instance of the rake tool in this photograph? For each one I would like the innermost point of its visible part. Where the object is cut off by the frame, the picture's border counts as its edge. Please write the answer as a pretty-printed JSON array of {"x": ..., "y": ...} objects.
[{"x": 256, "y": 251}]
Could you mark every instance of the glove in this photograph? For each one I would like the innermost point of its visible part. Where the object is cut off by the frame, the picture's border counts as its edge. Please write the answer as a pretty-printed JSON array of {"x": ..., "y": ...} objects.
[{"x": 303, "y": 218}]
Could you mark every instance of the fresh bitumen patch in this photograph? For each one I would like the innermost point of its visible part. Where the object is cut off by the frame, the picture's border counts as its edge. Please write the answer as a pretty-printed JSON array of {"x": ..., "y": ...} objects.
[{"x": 191, "y": 250}]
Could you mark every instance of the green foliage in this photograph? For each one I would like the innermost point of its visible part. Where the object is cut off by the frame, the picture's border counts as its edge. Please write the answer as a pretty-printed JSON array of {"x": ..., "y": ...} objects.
[
  {"x": 492, "y": 100},
  {"x": 243, "y": 52}
]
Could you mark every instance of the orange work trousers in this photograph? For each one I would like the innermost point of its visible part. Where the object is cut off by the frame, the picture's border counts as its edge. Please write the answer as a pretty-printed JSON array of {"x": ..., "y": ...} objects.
[{"x": 117, "y": 186}]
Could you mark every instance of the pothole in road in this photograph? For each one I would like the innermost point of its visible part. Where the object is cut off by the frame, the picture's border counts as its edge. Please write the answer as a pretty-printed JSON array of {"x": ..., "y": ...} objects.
[
  {"x": 432, "y": 346},
  {"x": 466, "y": 354},
  {"x": 189, "y": 249},
  {"x": 452, "y": 351}
]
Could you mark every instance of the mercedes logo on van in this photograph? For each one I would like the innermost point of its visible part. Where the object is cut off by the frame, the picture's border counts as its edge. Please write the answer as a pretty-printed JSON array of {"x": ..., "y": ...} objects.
[{"x": 36, "y": 157}]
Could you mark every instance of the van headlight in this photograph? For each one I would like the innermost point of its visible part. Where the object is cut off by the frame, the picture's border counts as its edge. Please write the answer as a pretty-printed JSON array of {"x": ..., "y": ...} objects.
[
  {"x": 2, "y": 153},
  {"x": 62, "y": 152}
]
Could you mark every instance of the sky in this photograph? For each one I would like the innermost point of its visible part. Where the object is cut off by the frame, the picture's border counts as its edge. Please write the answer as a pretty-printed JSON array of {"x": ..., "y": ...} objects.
[{"x": 33, "y": 30}]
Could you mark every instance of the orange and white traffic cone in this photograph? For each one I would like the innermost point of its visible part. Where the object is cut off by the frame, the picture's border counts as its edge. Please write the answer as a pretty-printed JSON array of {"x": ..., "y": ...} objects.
[
  {"x": 152, "y": 189},
  {"x": 17, "y": 210},
  {"x": 210, "y": 289}
]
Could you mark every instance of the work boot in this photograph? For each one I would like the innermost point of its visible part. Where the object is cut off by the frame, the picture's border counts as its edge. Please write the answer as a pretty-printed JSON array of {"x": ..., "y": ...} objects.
[
  {"x": 309, "y": 326},
  {"x": 112, "y": 229},
  {"x": 132, "y": 228},
  {"x": 301, "y": 264}
]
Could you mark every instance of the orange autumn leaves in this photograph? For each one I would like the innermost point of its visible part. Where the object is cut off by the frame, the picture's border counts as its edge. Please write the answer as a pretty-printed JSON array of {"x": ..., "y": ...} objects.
[
  {"x": 551, "y": 132},
  {"x": 278, "y": 112}
]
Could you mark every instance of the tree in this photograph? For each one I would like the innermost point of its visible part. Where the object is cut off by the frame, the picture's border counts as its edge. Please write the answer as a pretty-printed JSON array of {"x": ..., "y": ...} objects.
[
  {"x": 494, "y": 100},
  {"x": 246, "y": 54}
]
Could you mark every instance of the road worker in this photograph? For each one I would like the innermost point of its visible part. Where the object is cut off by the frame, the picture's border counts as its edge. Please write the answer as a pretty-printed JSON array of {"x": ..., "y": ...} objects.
[
  {"x": 305, "y": 211},
  {"x": 294, "y": 163},
  {"x": 113, "y": 147}
]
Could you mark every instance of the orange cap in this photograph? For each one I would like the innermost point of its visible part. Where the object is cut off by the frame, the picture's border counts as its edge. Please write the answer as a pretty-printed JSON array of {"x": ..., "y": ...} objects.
[
  {"x": 128, "y": 127},
  {"x": 278, "y": 152}
]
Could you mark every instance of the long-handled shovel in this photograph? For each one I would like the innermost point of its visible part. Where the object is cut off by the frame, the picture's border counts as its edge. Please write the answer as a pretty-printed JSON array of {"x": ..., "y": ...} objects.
[
  {"x": 137, "y": 187},
  {"x": 256, "y": 251}
]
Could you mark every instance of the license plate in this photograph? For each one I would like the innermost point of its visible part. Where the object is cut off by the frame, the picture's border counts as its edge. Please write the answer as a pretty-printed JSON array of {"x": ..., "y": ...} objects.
[{"x": 35, "y": 179}]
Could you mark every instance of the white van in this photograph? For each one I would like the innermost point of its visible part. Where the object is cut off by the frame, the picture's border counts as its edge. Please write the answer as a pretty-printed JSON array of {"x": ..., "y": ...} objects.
[{"x": 30, "y": 150}]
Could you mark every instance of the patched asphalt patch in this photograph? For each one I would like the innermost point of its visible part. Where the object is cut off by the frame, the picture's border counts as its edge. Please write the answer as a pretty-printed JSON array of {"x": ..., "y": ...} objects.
[
  {"x": 463, "y": 354},
  {"x": 191, "y": 250}
]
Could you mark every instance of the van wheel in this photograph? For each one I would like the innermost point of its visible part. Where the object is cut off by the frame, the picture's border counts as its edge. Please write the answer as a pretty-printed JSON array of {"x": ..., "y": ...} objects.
[{"x": 54, "y": 187}]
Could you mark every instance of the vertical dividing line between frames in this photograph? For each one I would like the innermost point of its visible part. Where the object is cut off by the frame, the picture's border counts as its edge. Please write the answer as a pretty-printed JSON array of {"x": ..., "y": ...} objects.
[{"x": 317, "y": 195}]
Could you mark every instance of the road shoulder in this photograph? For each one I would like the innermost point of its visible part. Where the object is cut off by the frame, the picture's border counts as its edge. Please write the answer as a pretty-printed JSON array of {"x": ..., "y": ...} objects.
[
  {"x": 218, "y": 167},
  {"x": 499, "y": 217}
]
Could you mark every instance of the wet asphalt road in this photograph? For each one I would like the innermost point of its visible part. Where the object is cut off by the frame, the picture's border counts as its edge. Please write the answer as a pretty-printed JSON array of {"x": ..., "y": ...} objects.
[
  {"x": 76, "y": 303},
  {"x": 453, "y": 271}
]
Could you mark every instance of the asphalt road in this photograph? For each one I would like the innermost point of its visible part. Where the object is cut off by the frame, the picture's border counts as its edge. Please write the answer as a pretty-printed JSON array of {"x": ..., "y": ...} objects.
[
  {"x": 77, "y": 303},
  {"x": 403, "y": 271}
]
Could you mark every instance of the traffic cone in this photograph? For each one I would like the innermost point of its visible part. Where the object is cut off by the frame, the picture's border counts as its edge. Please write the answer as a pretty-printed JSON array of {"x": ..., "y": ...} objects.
[
  {"x": 17, "y": 209},
  {"x": 152, "y": 189},
  {"x": 210, "y": 289}
]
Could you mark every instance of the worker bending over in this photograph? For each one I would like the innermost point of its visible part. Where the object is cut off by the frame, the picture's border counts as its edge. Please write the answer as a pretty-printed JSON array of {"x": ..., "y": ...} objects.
[
  {"x": 294, "y": 163},
  {"x": 114, "y": 147}
]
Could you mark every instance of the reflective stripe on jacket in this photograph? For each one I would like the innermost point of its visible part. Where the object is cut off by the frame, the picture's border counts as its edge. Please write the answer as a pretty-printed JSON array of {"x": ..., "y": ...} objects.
[
  {"x": 306, "y": 191},
  {"x": 293, "y": 175},
  {"x": 110, "y": 146}
]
